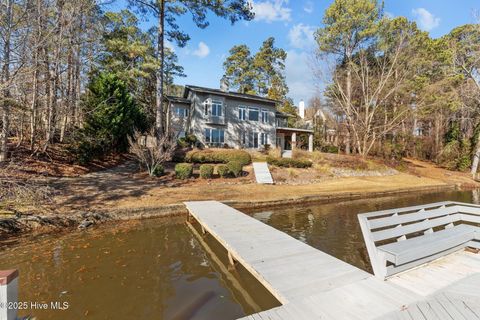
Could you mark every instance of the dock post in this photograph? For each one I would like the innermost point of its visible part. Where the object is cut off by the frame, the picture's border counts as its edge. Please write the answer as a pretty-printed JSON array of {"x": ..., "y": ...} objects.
[{"x": 8, "y": 294}]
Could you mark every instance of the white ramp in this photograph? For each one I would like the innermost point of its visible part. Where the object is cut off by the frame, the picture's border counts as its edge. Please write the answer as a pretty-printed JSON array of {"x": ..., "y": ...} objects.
[{"x": 262, "y": 173}]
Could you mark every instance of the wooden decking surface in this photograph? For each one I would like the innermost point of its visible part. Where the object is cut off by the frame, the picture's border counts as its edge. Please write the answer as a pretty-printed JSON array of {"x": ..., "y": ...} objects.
[
  {"x": 312, "y": 284},
  {"x": 262, "y": 173}
]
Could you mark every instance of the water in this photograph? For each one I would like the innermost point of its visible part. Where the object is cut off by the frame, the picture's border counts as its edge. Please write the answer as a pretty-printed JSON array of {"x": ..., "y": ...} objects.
[
  {"x": 155, "y": 269},
  {"x": 333, "y": 227},
  {"x": 141, "y": 270}
]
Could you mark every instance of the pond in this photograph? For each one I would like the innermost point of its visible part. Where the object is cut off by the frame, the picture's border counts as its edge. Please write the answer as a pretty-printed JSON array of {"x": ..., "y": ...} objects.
[
  {"x": 333, "y": 227},
  {"x": 150, "y": 269},
  {"x": 159, "y": 269}
]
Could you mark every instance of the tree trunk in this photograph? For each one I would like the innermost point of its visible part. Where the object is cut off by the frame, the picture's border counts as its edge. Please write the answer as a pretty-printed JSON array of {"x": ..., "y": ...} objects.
[
  {"x": 476, "y": 157},
  {"x": 349, "y": 101},
  {"x": 6, "y": 79},
  {"x": 159, "y": 83}
]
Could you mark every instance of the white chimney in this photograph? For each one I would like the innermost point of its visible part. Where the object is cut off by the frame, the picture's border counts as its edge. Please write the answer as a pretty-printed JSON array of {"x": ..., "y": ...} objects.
[
  {"x": 224, "y": 85},
  {"x": 301, "y": 109}
]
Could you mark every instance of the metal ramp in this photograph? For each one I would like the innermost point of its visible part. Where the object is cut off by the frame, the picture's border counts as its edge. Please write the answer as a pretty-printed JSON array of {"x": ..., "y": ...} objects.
[{"x": 262, "y": 173}]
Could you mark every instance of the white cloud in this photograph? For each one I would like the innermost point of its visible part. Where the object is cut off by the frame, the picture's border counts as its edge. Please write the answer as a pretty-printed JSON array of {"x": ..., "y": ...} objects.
[
  {"x": 425, "y": 20},
  {"x": 202, "y": 51},
  {"x": 308, "y": 7},
  {"x": 271, "y": 10},
  {"x": 389, "y": 15},
  {"x": 302, "y": 36},
  {"x": 299, "y": 76}
]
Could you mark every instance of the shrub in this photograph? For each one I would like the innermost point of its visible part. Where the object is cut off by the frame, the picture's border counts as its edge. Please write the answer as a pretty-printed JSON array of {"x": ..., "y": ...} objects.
[
  {"x": 158, "y": 171},
  {"x": 218, "y": 156},
  {"x": 206, "y": 171},
  {"x": 289, "y": 163},
  {"x": 188, "y": 141},
  {"x": 223, "y": 170},
  {"x": 329, "y": 149},
  {"x": 235, "y": 168},
  {"x": 183, "y": 170}
]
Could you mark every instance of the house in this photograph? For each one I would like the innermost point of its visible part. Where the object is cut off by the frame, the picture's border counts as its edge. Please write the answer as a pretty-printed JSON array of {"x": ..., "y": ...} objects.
[{"x": 221, "y": 118}]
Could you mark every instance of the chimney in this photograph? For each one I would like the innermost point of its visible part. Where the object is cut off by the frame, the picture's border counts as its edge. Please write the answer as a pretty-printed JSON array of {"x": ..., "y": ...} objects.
[
  {"x": 224, "y": 84},
  {"x": 301, "y": 109}
]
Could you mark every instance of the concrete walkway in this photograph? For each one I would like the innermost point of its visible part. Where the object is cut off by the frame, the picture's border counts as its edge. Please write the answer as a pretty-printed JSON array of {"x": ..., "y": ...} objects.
[{"x": 262, "y": 173}]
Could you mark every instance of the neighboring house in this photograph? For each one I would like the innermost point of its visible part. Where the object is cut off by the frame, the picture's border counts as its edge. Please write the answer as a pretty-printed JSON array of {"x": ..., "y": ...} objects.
[{"x": 220, "y": 118}]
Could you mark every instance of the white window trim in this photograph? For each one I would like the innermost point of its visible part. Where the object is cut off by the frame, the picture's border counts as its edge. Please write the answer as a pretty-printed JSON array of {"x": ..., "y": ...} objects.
[
  {"x": 264, "y": 112},
  {"x": 244, "y": 113}
]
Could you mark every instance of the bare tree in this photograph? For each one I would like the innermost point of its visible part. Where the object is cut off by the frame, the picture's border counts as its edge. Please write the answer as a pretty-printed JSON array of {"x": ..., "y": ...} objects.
[{"x": 152, "y": 152}]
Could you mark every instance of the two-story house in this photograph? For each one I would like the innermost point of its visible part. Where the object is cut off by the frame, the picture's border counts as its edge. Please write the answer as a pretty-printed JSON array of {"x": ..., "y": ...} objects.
[{"x": 220, "y": 118}]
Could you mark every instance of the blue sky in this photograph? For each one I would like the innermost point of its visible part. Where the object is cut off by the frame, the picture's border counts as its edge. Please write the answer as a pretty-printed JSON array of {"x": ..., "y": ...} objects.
[{"x": 292, "y": 23}]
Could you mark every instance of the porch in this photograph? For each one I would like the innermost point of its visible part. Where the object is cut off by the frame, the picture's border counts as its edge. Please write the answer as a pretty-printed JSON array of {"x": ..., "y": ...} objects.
[{"x": 287, "y": 138}]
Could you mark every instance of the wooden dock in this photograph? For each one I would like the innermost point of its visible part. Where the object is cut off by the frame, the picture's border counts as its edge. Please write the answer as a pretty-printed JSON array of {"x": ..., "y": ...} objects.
[{"x": 311, "y": 284}]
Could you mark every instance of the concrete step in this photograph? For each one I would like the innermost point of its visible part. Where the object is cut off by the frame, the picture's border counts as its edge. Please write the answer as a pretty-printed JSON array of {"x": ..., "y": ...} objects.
[{"x": 262, "y": 173}]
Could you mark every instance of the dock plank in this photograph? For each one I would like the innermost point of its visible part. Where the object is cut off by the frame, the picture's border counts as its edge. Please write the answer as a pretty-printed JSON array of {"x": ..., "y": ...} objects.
[{"x": 311, "y": 284}]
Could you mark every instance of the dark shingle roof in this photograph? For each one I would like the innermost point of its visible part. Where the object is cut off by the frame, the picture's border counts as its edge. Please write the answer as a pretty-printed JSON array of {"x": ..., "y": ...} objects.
[
  {"x": 228, "y": 94},
  {"x": 177, "y": 99}
]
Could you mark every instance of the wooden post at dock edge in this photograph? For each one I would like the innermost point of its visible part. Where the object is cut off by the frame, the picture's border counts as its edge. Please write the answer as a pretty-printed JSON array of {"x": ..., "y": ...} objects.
[{"x": 8, "y": 294}]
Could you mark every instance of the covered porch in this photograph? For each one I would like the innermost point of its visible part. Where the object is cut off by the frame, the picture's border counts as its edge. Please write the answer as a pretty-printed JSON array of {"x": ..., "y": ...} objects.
[{"x": 287, "y": 138}]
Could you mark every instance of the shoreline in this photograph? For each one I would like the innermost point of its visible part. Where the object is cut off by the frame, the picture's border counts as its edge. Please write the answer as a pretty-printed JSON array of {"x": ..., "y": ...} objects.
[{"x": 24, "y": 227}]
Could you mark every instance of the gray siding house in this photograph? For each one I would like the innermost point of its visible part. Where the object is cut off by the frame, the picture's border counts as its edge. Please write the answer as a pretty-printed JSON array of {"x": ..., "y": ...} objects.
[{"x": 220, "y": 118}]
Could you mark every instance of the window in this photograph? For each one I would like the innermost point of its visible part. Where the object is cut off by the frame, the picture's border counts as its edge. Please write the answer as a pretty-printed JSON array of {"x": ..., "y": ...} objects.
[
  {"x": 253, "y": 114},
  {"x": 242, "y": 113},
  {"x": 214, "y": 136},
  {"x": 243, "y": 138},
  {"x": 206, "y": 103},
  {"x": 217, "y": 108},
  {"x": 263, "y": 138},
  {"x": 181, "y": 112},
  {"x": 264, "y": 116},
  {"x": 253, "y": 140},
  {"x": 207, "y": 135}
]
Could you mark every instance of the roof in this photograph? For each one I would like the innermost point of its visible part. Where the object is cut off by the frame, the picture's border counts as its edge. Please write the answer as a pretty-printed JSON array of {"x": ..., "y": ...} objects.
[
  {"x": 280, "y": 114},
  {"x": 177, "y": 99},
  {"x": 228, "y": 94},
  {"x": 294, "y": 129}
]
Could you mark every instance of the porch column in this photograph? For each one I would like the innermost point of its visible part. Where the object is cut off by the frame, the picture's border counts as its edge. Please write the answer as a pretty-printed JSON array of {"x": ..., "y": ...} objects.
[
  {"x": 294, "y": 140},
  {"x": 310, "y": 142},
  {"x": 8, "y": 294}
]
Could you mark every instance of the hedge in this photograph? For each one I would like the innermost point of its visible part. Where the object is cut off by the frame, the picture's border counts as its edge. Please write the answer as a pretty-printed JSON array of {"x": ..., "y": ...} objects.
[
  {"x": 235, "y": 168},
  {"x": 206, "y": 171},
  {"x": 223, "y": 170},
  {"x": 289, "y": 163},
  {"x": 218, "y": 156},
  {"x": 183, "y": 170}
]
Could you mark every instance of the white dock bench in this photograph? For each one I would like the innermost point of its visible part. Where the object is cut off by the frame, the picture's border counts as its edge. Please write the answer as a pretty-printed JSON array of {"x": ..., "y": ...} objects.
[
  {"x": 308, "y": 282},
  {"x": 404, "y": 238}
]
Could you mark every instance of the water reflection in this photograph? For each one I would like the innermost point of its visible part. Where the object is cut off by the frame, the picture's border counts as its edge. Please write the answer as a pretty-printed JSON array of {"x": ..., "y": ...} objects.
[
  {"x": 149, "y": 270},
  {"x": 333, "y": 227}
]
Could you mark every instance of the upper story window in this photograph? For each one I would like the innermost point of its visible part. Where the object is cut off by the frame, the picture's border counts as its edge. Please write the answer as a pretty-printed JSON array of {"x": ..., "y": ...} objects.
[
  {"x": 242, "y": 113},
  {"x": 213, "y": 107},
  {"x": 216, "y": 108},
  {"x": 264, "y": 116},
  {"x": 181, "y": 112},
  {"x": 253, "y": 114}
]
